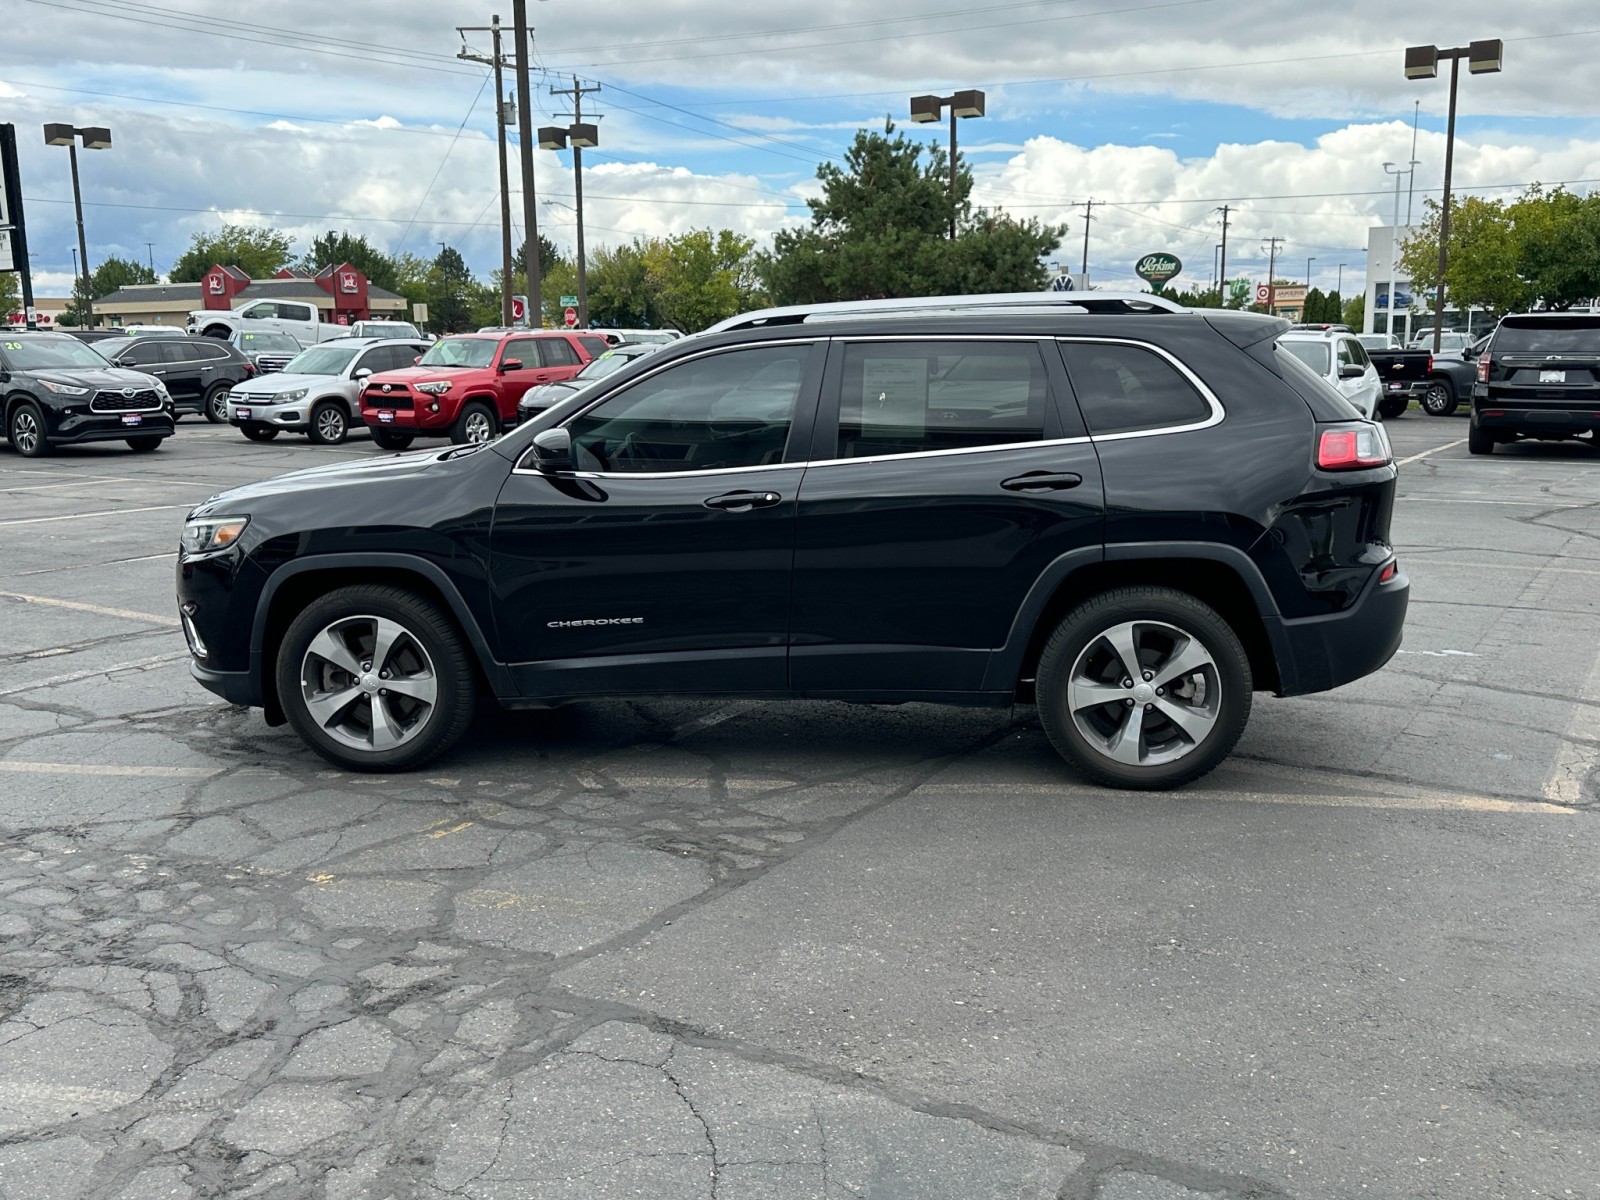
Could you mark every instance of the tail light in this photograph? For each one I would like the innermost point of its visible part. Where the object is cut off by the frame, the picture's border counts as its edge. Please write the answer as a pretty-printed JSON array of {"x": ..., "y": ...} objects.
[
  {"x": 1430, "y": 364},
  {"x": 1483, "y": 368},
  {"x": 1352, "y": 447},
  {"x": 249, "y": 369}
]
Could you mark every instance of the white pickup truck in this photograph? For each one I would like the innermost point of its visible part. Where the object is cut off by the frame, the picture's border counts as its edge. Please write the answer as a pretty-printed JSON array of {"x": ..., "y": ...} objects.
[{"x": 297, "y": 318}]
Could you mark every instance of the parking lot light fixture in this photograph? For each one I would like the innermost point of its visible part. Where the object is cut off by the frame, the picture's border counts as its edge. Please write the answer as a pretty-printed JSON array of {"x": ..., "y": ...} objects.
[
  {"x": 1484, "y": 57},
  {"x": 925, "y": 111},
  {"x": 581, "y": 135},
  {"x": 95, "y": 137}
]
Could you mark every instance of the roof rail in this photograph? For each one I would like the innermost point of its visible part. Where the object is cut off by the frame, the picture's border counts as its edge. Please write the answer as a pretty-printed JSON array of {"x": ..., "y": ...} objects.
[{"x": 1036, "y": 302}]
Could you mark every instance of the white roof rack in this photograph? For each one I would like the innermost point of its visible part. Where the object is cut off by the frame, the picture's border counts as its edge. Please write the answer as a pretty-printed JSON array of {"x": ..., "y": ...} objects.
[{"x": 1011, "y": 302}]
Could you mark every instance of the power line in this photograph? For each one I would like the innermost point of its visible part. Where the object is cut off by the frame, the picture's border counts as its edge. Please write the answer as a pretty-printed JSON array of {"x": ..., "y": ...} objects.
[{"x": 440, "y": 169}]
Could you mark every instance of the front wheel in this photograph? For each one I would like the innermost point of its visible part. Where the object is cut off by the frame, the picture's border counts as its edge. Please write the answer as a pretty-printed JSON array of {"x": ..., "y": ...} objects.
[
  {"x": 375, "y": 678},
  {"x": 257, "y": 432},
  {"x": 144, "y": 445},
  {"x": 389, "y": 440},
  {"x": 476, "y": 424},
  {"x": 1143, "y": 687},
  {"x": 216, "y": 404},
  {"x": 26, "y": 431},
  {"x": 330, "y": 425},
  {"x": 1440, "y": 399}
]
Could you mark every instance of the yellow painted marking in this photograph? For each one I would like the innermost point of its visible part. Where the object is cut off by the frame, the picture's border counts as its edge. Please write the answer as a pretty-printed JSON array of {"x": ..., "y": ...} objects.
[
  {"x": 320, "y": 877},
  {"x": 453, "y": 829},
  {"x": 1435, "y": 450},
  {"x": 53, "y": 768}
]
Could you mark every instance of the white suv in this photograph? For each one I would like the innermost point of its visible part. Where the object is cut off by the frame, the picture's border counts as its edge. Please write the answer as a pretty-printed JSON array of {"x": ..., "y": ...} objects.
[
  {"x": 1340, "y": 359},
  {"x": 318, "y": 392}
]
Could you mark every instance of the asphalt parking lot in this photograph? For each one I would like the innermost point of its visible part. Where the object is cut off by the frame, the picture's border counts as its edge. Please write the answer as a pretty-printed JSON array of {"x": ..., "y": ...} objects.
[{"x": 751, "y": 950}]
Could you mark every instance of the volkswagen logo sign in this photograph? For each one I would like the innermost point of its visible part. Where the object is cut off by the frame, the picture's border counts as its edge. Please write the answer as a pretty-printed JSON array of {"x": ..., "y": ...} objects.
[{"x": 130, "y": 393}]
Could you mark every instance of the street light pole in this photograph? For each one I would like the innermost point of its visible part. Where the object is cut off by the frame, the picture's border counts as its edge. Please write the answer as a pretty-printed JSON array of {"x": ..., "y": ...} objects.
[
  {"x": 577, "y": 136},
  {"x": 1483, "y": 57},
  {"x": 530, "y": 207},
  {"x": 94, "y": 138},
  {"x": 1394, "y": 244},
  {"x": 925, "y": 110}
]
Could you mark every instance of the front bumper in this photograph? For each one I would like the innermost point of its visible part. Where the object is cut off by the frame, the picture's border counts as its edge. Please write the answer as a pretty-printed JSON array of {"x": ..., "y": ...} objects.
[
  {"x": 236, "y": 687},
  {"x": 1318, "y": 653},
  {"x": 411, "y": 420},
  {"x": 295, "y": 414},
  {"x": 74, "y": 429}
]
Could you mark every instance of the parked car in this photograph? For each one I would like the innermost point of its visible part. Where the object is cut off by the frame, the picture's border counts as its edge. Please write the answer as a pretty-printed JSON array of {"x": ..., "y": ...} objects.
[
  {"x": 318, "y": 392},
  {"x": 91, "y": 336},
  {"x": 57, "y": 391},
  {"x": 1454, "y": 373},
  {"x": 466, "y": 387},
  {"x": 1404, "y": 375},
  {"x": 1451, "y": 339},
  {"x": 1129, "y": 513},
  {"x": 154, "y": 331},
  {"x": 297, "y": 318},
  {"x": 1342, "y": 362},
  {"x": 385, "y": 329},
  {"x": 638, "y": 337},
  {"x": 198, "y": 372},
  {"x": 1539, "y": 377},
  {"x": 266, "y": 351},
  {"x": 536, "y": 399}
]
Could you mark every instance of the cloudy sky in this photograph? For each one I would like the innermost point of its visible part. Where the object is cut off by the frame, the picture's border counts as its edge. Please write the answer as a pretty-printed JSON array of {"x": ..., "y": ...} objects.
[{"x": 357, "y": 114}]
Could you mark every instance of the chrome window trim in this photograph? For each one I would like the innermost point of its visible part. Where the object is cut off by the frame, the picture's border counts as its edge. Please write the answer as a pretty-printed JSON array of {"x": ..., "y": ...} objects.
[{"x": 1218, "y": 413}]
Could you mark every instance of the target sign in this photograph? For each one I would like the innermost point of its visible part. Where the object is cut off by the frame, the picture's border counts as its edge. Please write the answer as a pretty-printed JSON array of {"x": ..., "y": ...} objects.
[{"x": 1263, "y": 293}]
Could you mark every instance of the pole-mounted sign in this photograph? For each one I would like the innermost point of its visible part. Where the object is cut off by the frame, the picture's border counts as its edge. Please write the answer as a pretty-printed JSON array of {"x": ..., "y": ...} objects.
[{"x": 1156, "y": 269}]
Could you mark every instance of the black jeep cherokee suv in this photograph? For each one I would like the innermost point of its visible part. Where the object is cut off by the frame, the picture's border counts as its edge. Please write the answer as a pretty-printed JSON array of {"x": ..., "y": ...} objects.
[
  {"x": 56, "y": 391},
  {"x": 1539, "y": 377},
  {"x": 1131, "y": 514}
]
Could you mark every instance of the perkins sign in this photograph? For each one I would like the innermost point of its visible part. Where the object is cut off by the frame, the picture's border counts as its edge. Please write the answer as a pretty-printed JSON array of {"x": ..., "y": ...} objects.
[{"x": 1157, "y": 269}]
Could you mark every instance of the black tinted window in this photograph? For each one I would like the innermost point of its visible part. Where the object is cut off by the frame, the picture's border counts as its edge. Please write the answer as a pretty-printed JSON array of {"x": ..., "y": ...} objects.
[
  {"x": 1570, "y": 335},
  {"x": 210, "y": 348},
  {"x": 906, "y": 397},
  {"x": 141, "y": 354},
  {"x": 712, "y": 413},
  {"x": 558, "y": 352},
  {"x": 1124, "y": 389}
]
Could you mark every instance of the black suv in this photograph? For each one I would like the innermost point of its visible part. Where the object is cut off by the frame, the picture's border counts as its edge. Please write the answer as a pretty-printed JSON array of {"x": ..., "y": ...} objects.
[
  {"x": 199, "y": 372},
  {"x": 1539, "y": 377},
  {"x": 57, "y": 391},
  {"x": 1131, "y": 514}
]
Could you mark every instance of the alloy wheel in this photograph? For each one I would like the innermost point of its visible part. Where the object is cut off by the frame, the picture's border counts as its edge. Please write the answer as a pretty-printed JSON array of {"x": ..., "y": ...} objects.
[
  {"x": 1144, "y": 693},
  {"x": 368, "y": 683},
  {"x": 330, "y": 425},
  {"x": 1437, "y": 402},
  {"x": 478, "y": 427},
  {"x": 219, "y": 406},
  {"x": 25, "y": 432}
]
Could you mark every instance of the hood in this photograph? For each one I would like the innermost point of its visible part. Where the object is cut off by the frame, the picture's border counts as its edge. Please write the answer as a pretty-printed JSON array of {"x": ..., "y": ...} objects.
[
  {"x": 416, "y": 465},
  {"x": 280, "y": 381},
  {"x": 411, "y": 376},
  {"x": 109, "y": 378},
  {"x": 547, "y": 393}
]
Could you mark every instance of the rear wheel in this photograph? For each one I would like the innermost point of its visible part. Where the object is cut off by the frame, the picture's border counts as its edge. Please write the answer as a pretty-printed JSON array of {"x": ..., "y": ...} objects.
[
  {"x": 257, "y": 432},
  {"x": 220, "y": 332},
  {"x": 1143, "y": 687},
  {"x": 330, "y": 425},
  {"x": 26, "y": 431},
  {"x": 475, "y": 424},
  {"x": 1479, "y": 441},
  {"x": 375, "y": 678},
  {"x": 389, "y": 440},
  {"x": 1391, "y": 407},
  {"x": 216, "y": 404},
  {"x": 1440, "y": 400},
  {"x": 145, "y": 444}
]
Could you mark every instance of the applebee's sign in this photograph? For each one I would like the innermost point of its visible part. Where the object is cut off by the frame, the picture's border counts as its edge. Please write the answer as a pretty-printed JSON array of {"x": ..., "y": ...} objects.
[{"x": 1157, "y": 269}]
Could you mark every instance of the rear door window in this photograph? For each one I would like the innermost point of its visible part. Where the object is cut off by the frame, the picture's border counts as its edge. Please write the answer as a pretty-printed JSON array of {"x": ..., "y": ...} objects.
[
  {"x": 558, "y": 352},
  {"x": 1131, "y": 389}
]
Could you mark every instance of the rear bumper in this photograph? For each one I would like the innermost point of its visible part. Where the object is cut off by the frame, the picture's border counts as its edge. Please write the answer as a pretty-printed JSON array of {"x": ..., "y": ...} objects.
[
  {"x": 1577, "y": 416},
  {"x": 1318, "y": 653}
]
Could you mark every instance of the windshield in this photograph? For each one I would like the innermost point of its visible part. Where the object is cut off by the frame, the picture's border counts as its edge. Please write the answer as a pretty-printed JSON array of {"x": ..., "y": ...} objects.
[
  {"x": 44, "y": 353},
  {"x": 320, "y": 360},
  {"x": 601, "y": 367},
  {"x": 461, "y": 352},
  {"x": 388, "y": 329},
  {"x": 1374, "y": 341},
  {"x": 1569, "y": 335},
  {"x": 267, "y": 341},
  {"x": 1314, "y": 354}
]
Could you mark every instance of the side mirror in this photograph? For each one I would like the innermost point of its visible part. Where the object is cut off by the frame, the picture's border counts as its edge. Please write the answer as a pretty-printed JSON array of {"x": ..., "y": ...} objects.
[
  {"x": 1352, "y": 371},
  {"x": 510, "y": 364},
  {"x": 363, "y": 373},
  {"x": 552, "y": 451},
  {"x": 416, "y": 360}
]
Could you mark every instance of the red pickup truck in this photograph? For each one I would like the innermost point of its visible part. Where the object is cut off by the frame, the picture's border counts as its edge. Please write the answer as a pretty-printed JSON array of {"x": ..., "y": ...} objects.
[{"x": 466, "y": 387}]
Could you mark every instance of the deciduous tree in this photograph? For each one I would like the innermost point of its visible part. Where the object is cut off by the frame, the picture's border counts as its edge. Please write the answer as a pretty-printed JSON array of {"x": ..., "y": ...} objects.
[{"x": 256, "y": 250}]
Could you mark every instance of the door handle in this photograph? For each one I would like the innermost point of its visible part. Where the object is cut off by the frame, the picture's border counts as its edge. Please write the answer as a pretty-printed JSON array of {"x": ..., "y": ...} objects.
[
  {"x": 740, "y": 502},
  {"x": 1042, "y": 481}
]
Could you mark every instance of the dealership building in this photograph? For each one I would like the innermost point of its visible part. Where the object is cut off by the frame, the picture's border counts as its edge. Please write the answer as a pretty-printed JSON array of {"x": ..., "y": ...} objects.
[{"x": 341, "y": 295}]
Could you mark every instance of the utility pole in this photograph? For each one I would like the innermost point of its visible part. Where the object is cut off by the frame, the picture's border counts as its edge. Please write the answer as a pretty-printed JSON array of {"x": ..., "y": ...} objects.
[
  {"x": 1272, "y": 272},
  {"x": 1088, "y": 215},
  {"x": 151, "y": 247},
  {"x": 1416, "y": 112},
  {"x": 578, "y": 136},
  {"x": 1222, "y": 271},
  {"x": 497, "y": 60},
  {"x": 12, "y": 225},
  {"x": 530, "y": 207}
]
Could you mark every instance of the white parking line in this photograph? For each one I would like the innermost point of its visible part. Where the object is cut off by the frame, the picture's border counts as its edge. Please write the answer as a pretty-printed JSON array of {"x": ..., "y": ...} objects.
[
  {"x": 127, "y": 614},
  {"x": 56, "y": 680},
  {"x": 1435, "y": 450},
  {"x": 1470, "y": 500},
  {"x": 110, "y": 512},
  {"x": 51, "y": 768},
  {"x": 1524, "y": 568}
]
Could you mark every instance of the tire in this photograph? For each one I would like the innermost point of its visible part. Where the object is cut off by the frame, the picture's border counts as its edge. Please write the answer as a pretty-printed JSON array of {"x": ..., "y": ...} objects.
[
  {"x": 1440, "y": 398},
  {"x": 1479, "y": 441},
  {"x": 143, "y": 445},
  {"x": 331, "y": 685},
  {"x": 26, "y": 429},
  {"x": 330, "y": 423},
  {"x": 389, "y": 440},
  {"x": 215, "y": 405},
  {"x": 257, "y": 432},
  {"x": 220, "y": 332},
  {"x": 475, "y": 424},
  {"x": 1391, "y": 407},
  {"x": 1178, "y": 737}
]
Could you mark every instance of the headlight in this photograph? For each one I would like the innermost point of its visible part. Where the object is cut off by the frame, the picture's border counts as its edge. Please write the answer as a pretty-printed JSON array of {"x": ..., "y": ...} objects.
[
  {"x": 286, "y": 397},
  {"x": 212, "y": 533},
  {"x": 435, "y": 389},
  {"x": 64, "y": 389}
]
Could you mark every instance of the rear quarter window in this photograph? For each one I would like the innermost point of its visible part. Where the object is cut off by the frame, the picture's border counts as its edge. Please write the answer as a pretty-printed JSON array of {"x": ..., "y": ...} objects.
[{"x": 1129, "y": 389}]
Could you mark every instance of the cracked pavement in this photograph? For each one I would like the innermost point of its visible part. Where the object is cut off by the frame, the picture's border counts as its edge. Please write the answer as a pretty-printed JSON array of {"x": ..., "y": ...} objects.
[{"x": 742, "y": 950}]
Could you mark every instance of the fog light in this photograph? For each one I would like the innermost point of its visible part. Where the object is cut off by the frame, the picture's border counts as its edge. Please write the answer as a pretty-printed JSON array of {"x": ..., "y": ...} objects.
[
  {"x": 434, "y": 407},
  {"x": 197, "y": 644}
]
